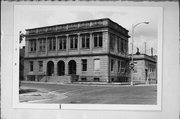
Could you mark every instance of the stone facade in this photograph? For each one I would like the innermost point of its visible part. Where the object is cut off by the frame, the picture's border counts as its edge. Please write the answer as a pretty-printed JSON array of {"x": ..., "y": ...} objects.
[
  {"x": 94, "y": 50},
  {"x": 145, "y": 70}
]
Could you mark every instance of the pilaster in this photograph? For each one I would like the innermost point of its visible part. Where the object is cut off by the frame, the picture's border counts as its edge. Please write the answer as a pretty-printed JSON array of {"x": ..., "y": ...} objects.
[
  {"x": 56, "y": 45},
  {"x": 91, "y": 42},
  {"x": 55, "y": 69},
  {"x": 79, "y": 42},
  {"x": 46, "y": 46},
  {"x": 27, "y": 48},
  {"x": 67, "y": 44},
  {"x": 66, "y": 67},
  {"x": 36, "y": 47}
]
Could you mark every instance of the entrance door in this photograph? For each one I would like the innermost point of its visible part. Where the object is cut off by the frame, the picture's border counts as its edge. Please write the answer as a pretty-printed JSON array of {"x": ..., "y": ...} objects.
[
  {"x": 72, "y": 67},
  {"x": 61, "y": 68},
  {"x": 50, "y": 68}
]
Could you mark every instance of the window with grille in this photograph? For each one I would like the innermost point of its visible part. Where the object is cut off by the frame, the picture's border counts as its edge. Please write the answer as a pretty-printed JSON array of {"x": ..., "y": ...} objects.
[
  {"x": 62, "y": 43},
  {"x": 85, "y": 40},
  {"x": 98, "y": 40},
  {"x": 42, "y": 44},
  {"x": 52, "y": 43},
  {"x": 32, "y": 45},
  {"x": 73, "y": 42}
]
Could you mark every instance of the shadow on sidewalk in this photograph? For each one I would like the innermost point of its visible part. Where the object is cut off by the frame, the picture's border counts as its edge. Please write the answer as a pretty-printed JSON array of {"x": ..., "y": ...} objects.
[{"x": 21, "y": 91}]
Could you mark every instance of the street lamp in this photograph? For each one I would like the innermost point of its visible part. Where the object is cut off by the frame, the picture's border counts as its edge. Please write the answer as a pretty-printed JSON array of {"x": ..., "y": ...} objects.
[{"x": 132, "y": 60}]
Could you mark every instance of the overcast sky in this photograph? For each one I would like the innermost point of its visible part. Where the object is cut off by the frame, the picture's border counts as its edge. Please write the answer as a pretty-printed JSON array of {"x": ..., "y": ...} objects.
[{"x": 32, "y": 16}]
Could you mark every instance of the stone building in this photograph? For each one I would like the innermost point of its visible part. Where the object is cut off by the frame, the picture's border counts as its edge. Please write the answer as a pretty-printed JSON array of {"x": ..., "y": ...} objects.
[
  {"x": 93, "y": 50},
  {"x": 145, "y": 69}
]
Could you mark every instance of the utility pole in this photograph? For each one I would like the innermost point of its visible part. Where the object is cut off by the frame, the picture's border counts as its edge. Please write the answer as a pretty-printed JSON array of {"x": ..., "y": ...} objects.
[
  {"x": 151, "y": 51},
  {"x": 145, "y": 48}
]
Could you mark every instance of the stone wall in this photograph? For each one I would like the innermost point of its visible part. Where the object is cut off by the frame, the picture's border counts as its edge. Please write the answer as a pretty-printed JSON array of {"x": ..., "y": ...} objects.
[{"x": 102, "y": 74}]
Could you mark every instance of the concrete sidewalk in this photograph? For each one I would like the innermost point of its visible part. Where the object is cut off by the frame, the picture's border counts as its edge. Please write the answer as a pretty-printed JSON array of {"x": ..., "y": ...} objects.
[{"x": 92, "y": 83}]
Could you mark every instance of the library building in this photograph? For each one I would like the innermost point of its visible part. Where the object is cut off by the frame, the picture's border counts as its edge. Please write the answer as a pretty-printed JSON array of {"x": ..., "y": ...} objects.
[{"x": 85, "y": 51}]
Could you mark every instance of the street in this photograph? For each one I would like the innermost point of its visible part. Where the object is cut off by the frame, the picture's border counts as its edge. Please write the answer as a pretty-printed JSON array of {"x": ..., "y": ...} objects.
[{"x": 88, "y": 94}]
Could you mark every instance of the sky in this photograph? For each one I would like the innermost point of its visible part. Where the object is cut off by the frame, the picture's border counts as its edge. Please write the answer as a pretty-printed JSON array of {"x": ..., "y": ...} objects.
[{"x": 32, "y": 16}]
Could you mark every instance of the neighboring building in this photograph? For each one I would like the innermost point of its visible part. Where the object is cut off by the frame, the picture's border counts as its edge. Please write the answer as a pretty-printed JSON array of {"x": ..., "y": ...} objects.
[
  {"x": 145, "y": 69},
  {"x": 94, "y": 50},
  {"x": 21, "y": 63}
]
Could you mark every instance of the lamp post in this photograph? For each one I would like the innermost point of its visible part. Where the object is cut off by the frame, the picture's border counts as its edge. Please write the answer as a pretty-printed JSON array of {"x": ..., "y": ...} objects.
[{"x": 132, "y": 59}]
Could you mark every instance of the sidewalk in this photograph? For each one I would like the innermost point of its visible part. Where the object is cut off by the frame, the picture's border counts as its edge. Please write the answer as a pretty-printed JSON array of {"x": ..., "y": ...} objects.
[
  {"x": 37, "y": 94},
  {"x": 92, "y": 83}
]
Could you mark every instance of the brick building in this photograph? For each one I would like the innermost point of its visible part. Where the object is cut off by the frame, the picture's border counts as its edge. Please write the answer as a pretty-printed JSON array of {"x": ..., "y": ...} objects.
[{"x": 94, "y": 50}]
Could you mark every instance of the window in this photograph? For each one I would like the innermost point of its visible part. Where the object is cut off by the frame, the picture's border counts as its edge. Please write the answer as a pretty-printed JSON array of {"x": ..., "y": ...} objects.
[
  {"x": 135, "y": 69},
  {"x": 84, "y": 64},
  {"x": 122, "y": 45},
  {"x": 112, "y": 65},
  {"x": 96, "y": 64},
  {"x": 112, "y": 42},
  {"x": 98, "y": 40},
  {"x": 96, "y": 79},
  {"x": 32, "y": 45},
  {"x": 123, "y": 65},
  {"x": 119, "y": 45},
  {"x": 126, "y": 46},
  {"x": 119, "y": 66},
  {"x": 85, "y": 40},
  {"x": 40, "y": 66},
  {"x": 31, "y": 65},
  {"x": 52, "y": 43},
  {"x": 73, "y": 42},
  {"x": 42, "y": 44},
  {"x": 62, "y": 43},
  {"x": 112, "y": 79},
  {"x": 83, "y": 79}
]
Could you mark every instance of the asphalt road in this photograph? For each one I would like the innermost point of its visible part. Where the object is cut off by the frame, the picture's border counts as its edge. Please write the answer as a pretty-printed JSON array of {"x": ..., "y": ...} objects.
[{"x": 84, "y": 94}]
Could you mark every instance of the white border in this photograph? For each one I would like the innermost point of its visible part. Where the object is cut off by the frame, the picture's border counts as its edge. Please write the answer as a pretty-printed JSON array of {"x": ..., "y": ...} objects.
[{"x": 15, "y": 91}]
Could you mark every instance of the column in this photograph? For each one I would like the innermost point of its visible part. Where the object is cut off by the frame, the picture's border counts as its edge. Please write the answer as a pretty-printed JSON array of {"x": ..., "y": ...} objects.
[{"x": 67, "y": 44}]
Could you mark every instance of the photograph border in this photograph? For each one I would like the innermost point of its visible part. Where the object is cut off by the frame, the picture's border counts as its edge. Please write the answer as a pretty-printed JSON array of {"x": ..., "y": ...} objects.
[{"x": 15, "y": 91}]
